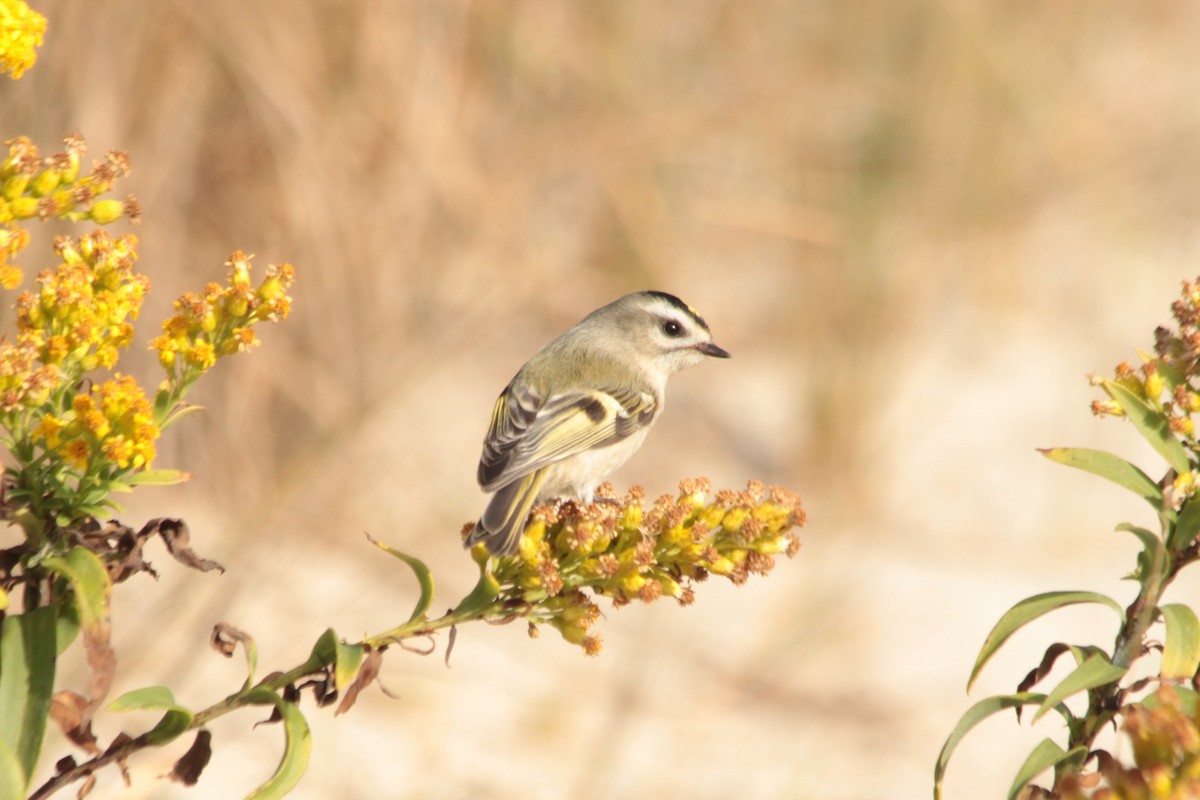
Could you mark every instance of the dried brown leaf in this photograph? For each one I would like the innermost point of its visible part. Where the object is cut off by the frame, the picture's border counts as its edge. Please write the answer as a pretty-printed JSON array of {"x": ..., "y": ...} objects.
[
  {"x": 189, "y": 766},
  {"x": 1036, "y": 675},
  {"x": 367, "y": 673},
  {"x": 102, "y": 661},
  {"x": 120, "y": 741},
  {"x": 175, "y": 535},
  {"x": 450, "y": 638},
  {"x": 225, "y": 639},
  {"x": 70, "y": 711}
]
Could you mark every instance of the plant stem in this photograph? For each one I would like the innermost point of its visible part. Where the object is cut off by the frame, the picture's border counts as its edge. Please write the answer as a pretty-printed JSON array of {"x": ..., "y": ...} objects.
[
  {"x": 1129, "y": 645},
  {"x": 275, "y": 682}
]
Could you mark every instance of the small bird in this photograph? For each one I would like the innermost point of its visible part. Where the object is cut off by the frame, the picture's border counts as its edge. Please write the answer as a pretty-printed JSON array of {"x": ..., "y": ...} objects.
[{"x": 582, "y": 406}]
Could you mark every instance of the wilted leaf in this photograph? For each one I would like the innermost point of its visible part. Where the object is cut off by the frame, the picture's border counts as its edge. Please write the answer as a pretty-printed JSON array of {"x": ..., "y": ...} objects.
[
  {"x": 70, "y": 710},
  {"x": 1026, "y": 611},
  {"x": 366, "y": 674},
  {"x": 189, "y": 766},
  {"x": 175, "y": 535},
  {"x": 1036, "y": 675},
  {"x": 976, "y": 714},
  {"x": 92, "y": 588},
  {"x": 1181, "y": 654},
  {"x": 225, "y": 639},
  {"x": 1106, "y": 465},
  {"x": 121, "y": 740}
]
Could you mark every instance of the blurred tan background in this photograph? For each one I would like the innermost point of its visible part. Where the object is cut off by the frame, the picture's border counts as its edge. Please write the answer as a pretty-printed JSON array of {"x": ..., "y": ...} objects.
[{"x": 916, "y": 225}]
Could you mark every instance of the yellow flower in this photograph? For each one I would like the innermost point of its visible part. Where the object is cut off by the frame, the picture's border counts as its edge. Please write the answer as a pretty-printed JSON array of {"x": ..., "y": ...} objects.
[
  {"x": 77, "y": 452},
  {"x": 48, "y": 431},
  {"x": 118, "y": 450},
  {"x": 10, "y": 276},
  {"x": 202, "y": 355},
  {"x": 21, "y": 31}
]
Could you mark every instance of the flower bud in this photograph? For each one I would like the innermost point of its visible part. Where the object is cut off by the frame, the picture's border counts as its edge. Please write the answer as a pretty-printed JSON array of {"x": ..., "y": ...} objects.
[
  {"x": 107, "y": 211},
  {"x": 45, "y": 182},
  {"x": 14, "y": 186},
  {"x": 23, "y": 207},
  {"x": 1154, "y": 386}
]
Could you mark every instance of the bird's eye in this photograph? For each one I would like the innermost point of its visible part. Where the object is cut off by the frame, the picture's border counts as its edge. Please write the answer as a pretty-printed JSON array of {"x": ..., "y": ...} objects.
[{"x": 672, "y": 328}]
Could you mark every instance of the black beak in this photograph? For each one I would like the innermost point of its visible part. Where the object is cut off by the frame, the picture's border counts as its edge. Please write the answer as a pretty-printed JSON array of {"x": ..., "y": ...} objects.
[{"x": 710, "y": 349}]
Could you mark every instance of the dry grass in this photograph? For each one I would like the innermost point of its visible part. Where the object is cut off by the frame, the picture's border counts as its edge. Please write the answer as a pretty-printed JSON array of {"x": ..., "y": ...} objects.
[{"x": 915, "y": 225}]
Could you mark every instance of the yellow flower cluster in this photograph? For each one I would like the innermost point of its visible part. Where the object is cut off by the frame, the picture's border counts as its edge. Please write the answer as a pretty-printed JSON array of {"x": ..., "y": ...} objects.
[
  {"x": 219, "y": 321},
  {"x": 21, "y": 31},
  {"x": 83, "y": 310},
  {"x": 1166, "y": 752},
  {"x": 1165, "y": 377},
  {"x": 76, "y": 321},
  {"x": 24, "y": 383},
  {"x": 113, "y": 423},
  {"x": 1166, "y": 382},
  {"x": 52, "y": 187},
  {"x": 620, "y": 550}
]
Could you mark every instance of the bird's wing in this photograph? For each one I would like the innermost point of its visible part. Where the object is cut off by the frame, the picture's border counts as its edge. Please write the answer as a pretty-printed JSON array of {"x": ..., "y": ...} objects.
[{"x": 527, "y": 434}]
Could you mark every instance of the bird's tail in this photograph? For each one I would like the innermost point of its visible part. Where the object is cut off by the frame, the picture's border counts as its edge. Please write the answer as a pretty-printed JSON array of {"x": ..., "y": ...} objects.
[{"x": 503, "y": 520}]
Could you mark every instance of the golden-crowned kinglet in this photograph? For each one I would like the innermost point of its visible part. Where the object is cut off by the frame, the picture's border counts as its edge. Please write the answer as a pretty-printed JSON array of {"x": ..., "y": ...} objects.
[{"x": 582, "y": 406}]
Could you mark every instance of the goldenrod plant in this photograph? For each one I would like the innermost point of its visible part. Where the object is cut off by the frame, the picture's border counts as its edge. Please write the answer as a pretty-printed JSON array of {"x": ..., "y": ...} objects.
[
  {"x": 76, "y": 432},
  {"x": 1154, "y": 706}
]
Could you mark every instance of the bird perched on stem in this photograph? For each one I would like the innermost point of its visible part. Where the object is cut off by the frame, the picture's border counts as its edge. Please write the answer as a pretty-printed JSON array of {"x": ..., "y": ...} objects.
[{"x": 582, "y": 406}]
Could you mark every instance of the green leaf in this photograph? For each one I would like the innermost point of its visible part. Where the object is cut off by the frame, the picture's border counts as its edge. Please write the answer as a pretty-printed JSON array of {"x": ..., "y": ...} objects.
[
  {"x": 158, "y": 477},
  {"x": 424, "y": 578},
  {"x": 1171, "y": 376},
  {"x": 1106, "y": 465},
  {"x": 1181, "y": 653},
  {"x": 1028, "y": 610},
  {"x": 485, "y": 591},
  {"x": 27, "y": 665},
  {"x": 1047, "y": 754},
  {"x": 84, "y": 570},
  {"x": 1151, "y": 424},
  {"x": 345, "y": 658},
  {"x": 1153, "y": 559},
  {"x": 1096, "y": 671},
  {"x": 156, "y": 698},
  {"x": 296, "y": 749},
  {"x": 1186, "y": 527},
  {"x": 176, "y": 414},
  {"x": 977, "y": 714},
  {"x": 349, "y": 658},
  {"x": 12, "y": 777},
  {"x": 66, "y": 621}
]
